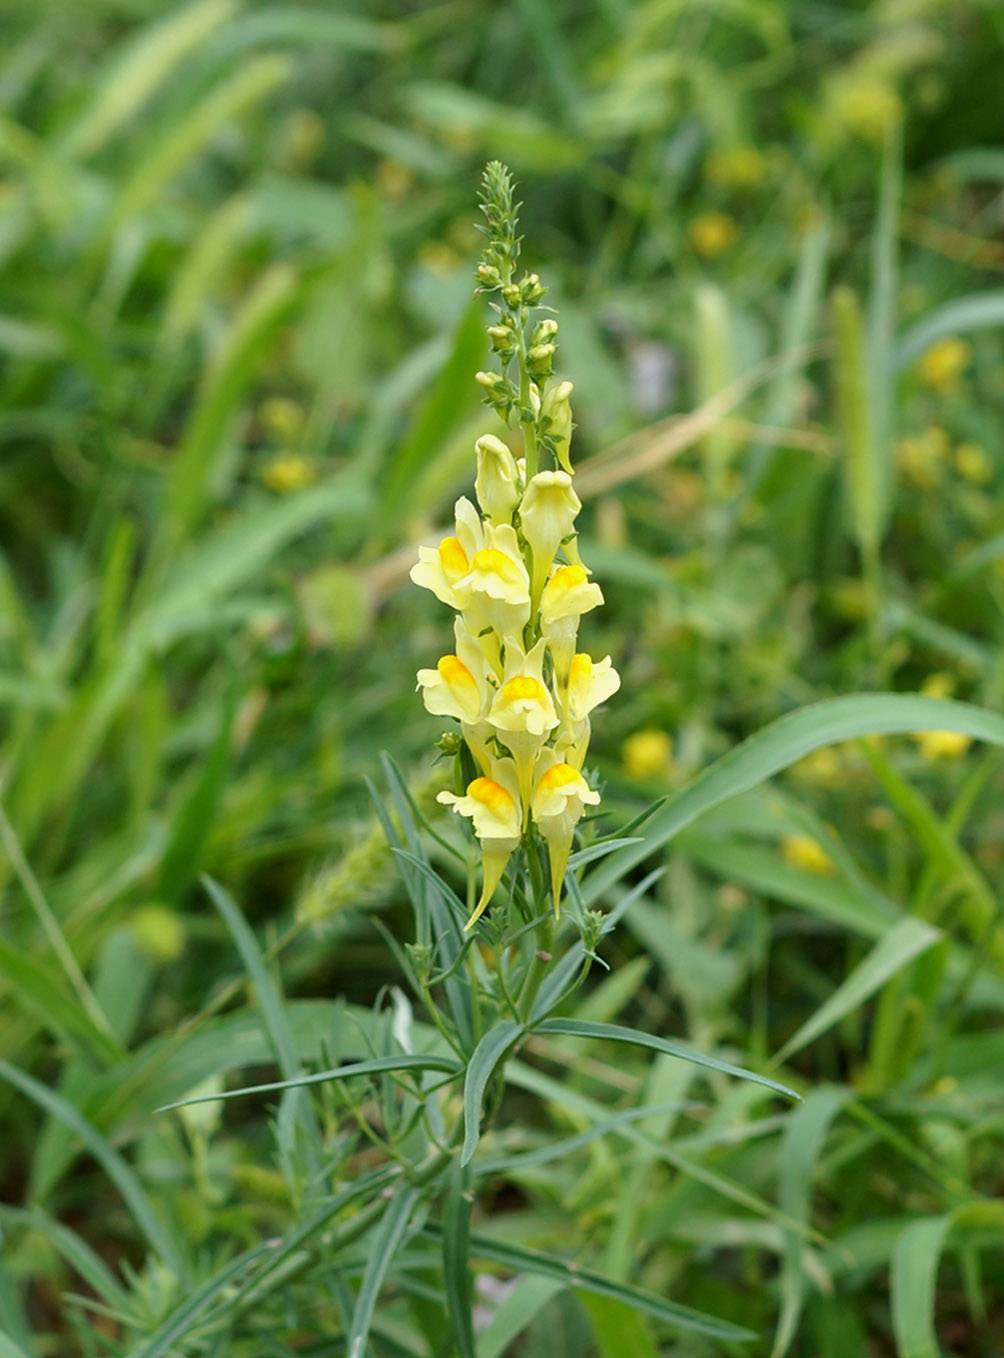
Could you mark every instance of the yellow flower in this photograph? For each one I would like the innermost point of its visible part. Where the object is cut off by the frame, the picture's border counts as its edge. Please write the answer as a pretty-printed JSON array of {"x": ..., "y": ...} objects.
[
  {"x": 546, "y": 515},
  {"x": 922, "y": 457},
  {"x": 560, "y": 796},
  {"x": 590, "y": 684},
  {"x": 493, "y": 805},
  {"x": 281, "y": 418},
  {"x": 973, "y": 464},
  {"x": 935, "y": 745},
  {"x": 712, "y": 233},
  {"x": 522, "y": 711},
  {"x": 288, "y": 472},
  {"x": 802, "y": 851},
  {"x": 441, "y": 568},
  {"x": 496, "y": 590},
  {"x": 567, "y": 595},
  {"x": 942, "y": 365},
  {"x": 647, "y": 754},
  {"x": 940, "y": 684}
]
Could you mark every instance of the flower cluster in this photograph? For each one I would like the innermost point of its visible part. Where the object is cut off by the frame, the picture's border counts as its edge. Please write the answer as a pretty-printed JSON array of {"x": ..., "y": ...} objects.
[{"x": 515, "y": 682}]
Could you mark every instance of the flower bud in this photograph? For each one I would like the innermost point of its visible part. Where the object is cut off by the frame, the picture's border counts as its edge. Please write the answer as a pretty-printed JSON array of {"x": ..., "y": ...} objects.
[
  {"x": 543, "y": 331},
  {"x": 497, "y": 480},
  {"x": 547, "y": 514},
  {"x": 531, "y": 289},
  {"x": 502, "y": 338},
  {"x": 557, "y": 411},
  {"x": 512, "y": 296},
  {"x": 539, "y": 359},
  {"x": 488, "y": 276}
]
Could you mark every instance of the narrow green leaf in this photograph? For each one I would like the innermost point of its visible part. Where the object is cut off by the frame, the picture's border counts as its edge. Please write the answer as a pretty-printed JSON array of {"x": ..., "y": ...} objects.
[
  {"x": 913, "y": 1277},
  {"x": 613, "y": 1032},
  {"x": 456, "y": 1259},
  {"x": 783, "y": 743},
  {"x": 34, "y": 989},
  {"x": 8, "y": 1349},
  {"x": 378, "y": 1066},
  {"x": 523, "y": 1260},
  {"x": 107, "y": 1157},
  {"x": 382, "y": 1249},
  {"x": 904, "y": 941},
  {"x": 181, "y": 1320},
  {"x": 486, "y": 1056},
  {"x": 194, "y": 820},
  {"x": 800, "y": 1148},
  {"x": 520, "y": 1308}
]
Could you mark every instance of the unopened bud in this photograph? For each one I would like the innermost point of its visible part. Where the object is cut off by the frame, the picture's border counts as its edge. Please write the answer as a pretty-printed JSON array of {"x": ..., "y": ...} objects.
[
  {"x": 543, "y": 331},
  {"x": 539, "y": 359},
  {"x": 421, "y": 960},
  {"x": 531, "y": 289},
  {"x": 488, "y": 276},
  {"x": 497, "y": 480},
  {"x": 502, "y": 338},
  {"x": 512, "y": 296},
  {"x": 556, "y": 412}
]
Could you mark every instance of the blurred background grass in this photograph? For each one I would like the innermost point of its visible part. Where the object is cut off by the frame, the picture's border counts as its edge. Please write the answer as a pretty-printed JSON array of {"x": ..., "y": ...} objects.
[{"x": 238, "y": 338}]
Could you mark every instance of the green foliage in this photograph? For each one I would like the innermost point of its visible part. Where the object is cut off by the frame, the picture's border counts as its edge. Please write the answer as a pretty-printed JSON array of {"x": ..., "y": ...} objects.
[{"x": 237, "y": 345}]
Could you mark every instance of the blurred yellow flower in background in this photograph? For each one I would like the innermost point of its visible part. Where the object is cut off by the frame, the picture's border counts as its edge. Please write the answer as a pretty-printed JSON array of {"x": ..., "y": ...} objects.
[
  {"x": 647, "y": 754},
  {"x": 737, "y": 167},
  {"x": 941, "y": 365},
  {"x": 712, "y": 233},
  {"x": 802, "y": 851},
  {"x": 288, "y": 472},
  {"x": 973, "y": 464}
]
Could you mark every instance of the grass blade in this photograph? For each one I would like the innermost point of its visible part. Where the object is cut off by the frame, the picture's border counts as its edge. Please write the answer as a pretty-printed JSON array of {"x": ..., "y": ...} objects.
[
  {"x": 913, "y": 1276},
  {"x": 456, "y": 1259},
  {"x": 904, "y": 941},
  {"x": 783, "y": 743}
]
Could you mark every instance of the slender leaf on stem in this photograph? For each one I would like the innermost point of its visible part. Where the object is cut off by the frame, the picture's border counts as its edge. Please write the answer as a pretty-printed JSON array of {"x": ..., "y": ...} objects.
[
  {"x": 486, "y": 1056},
  {"x": 383, "y": 1247},
  {"x": 613, "y": 1032},
  {"x": 456, "y": 1259},
  {"x": 523, "y": 1260},
  {"x": 375, "y": 1067}
]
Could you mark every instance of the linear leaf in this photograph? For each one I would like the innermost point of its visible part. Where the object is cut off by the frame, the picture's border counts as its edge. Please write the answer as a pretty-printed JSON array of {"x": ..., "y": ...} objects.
[
  {"x": 120, "y": 1173},
  {"x": 486, "y": 1056},
  {"x": 523, "y": 1260},
  {"x": 613, "y": 1032},
  {"x": 383, "y": 1247},
  {"x": 456, "y": 1259},
  {"x": 904, "y": 941},
  {"x": 375, "y": 1067},
  {"x": 913, "y": 1275}
]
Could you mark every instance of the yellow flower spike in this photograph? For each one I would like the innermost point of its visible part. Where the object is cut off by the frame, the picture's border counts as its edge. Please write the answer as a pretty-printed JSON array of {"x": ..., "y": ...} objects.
[
  {"x": 560, "y": 796},
  {"x": 567, "y": 595},
  {"x": 497, "y": 483},
  {"x": 494, "y": 809},
  {"x": 557, "y": 410},
  {"x": 546, "y": 514}
]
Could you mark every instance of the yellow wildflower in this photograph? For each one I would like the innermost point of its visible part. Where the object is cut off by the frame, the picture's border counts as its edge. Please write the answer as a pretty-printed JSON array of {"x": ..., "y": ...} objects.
[
  {"x": 823, "y": 767},
  {"x": 973, "y": 464},
  {"x": 802, "y": 851},
  {"x": 288, "y": 472},
  {"x": 935, "y": 745},
  {"x": 941, "y": 366},
  {"x": 712, "y": 233},
  {"x": 647, "y": 754}
]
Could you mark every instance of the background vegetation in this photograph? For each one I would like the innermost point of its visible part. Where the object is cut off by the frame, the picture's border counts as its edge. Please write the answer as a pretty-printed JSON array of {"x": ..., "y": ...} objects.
[{"x": 237, "y": 341}]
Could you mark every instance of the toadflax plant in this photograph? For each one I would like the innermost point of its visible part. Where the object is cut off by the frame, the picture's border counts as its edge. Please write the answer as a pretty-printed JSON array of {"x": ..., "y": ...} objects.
[{"x": 516, "y": 684}]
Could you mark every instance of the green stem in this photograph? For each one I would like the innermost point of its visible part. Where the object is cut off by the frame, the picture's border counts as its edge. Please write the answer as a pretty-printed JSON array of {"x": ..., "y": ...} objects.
[{"x": 538, "y": 968}]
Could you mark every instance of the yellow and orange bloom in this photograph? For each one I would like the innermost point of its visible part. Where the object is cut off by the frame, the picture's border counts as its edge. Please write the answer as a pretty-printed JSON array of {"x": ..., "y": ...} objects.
[
  {"x": 494, "y": 807},
  {"x": 560, "y": 796},
  {"x": 547, "y": 514}
]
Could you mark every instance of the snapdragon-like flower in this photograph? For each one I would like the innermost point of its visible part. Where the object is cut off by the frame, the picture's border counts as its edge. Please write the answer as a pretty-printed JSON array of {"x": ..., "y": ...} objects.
[{"x": 521, "y": 692}]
